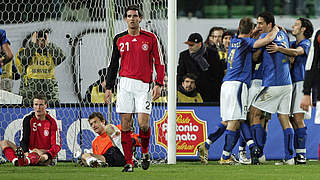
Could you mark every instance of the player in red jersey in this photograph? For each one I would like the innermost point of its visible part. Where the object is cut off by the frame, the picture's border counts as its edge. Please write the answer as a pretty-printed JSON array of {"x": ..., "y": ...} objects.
[
  {"x": 139, "y": 51},
  {"x": 40, "y": 142}
]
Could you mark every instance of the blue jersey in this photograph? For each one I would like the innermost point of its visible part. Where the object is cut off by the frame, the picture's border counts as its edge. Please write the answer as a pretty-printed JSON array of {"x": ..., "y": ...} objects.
[
  {"x": 3, "y": 37},
  {"x": 298, "y": 68},
  {"x": 276, "y": 71},
  {"x": 257, "y": 73},
  {"x": 240, "y": 60}
]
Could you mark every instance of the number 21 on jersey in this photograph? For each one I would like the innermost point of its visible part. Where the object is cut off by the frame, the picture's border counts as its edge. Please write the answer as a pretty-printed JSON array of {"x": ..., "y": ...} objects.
[{"x": 124, "y": 46}]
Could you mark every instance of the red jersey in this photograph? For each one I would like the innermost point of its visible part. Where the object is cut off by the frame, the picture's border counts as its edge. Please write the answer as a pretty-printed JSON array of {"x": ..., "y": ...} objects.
[
  {"x": 41, "y": 134},
  {"x": 138, "y": 54}
]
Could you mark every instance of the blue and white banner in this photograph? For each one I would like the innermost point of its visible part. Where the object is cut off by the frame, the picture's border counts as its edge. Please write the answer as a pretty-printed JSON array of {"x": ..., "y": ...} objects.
[{"x": 68, "y": 122}]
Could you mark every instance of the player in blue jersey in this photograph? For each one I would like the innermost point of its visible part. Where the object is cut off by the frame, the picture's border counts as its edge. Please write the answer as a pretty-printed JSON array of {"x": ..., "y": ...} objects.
[
  {"x": 275, "y": 94},
  {"x": 298, "y": 52},
  {"x": 234, "y": 90}
]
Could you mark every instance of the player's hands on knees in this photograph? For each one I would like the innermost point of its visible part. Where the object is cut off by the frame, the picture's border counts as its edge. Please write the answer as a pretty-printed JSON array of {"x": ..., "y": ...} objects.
[
  {"x": 107, "y": 96},
  {"x": 156, "y": 92},
  {"x": 305, "y": 102}
]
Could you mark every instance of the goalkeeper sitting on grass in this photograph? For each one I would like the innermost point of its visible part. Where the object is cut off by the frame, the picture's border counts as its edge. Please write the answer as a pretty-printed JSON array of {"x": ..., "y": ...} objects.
[
  {"x": 40, "y": 142},
  {"x": 107, "y": 148}
]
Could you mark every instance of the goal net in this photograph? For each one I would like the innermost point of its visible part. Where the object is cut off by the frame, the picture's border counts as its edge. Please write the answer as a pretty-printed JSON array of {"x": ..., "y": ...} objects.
[{"x": 80, "y": 34}]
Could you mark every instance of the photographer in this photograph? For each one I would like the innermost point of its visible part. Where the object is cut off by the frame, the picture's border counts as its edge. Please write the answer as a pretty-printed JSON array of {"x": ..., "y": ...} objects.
[{"x": 39, "y": 59}]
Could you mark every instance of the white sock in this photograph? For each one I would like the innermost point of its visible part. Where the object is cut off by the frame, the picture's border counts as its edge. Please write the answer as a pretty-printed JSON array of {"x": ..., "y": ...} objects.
[
  {"x": 208, "y": 141},
  {"x": 14, "y": 160},
  {"x": 90, "y": 159}
]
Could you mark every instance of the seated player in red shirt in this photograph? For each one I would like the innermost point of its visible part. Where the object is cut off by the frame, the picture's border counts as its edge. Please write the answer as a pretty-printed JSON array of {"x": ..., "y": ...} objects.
[
  {"x": 107, "y": 148},
  {"x": 40, "y": 142}
]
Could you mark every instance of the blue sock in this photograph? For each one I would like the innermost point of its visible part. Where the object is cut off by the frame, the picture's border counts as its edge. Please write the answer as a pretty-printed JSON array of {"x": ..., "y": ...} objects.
[
  {"x": 300, "y": 136},
  {"x": 259, "y": 135},
  {"x": 230, "y": 141},
  {"x": 217, "y": 132},
  {"x": 246, "y": 133},
  {"x": 288, "y": 143},
  {"x": 242, "y": 144}
]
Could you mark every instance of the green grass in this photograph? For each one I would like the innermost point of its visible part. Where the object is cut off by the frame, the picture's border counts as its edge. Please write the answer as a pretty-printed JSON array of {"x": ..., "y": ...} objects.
[{"x": 182, "y": 170}]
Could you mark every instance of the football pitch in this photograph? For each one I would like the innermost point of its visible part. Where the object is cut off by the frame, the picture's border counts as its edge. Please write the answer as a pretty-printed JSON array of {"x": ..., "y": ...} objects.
[{"x": 182, "y": 170}]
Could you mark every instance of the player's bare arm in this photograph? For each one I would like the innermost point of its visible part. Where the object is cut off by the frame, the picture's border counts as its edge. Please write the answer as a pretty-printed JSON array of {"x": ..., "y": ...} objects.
[
  {"x": 267, "y": 39},
  {"x": 273, "y": 48}
]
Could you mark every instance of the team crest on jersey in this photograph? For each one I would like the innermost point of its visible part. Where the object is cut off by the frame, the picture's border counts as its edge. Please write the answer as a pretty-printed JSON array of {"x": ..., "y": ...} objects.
[
  {"x": 46, "y": 132},
  {"x": 145, "y": 47}
]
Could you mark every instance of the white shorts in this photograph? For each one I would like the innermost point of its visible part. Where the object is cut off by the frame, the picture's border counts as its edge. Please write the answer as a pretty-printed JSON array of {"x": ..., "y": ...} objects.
[
  {"x": 297, "y": 95},
  {"x": 274, "y": 99},
  {"x": 233, "y": 101},
  {"x": 133, "y": 96},
  {"x": 254, "y": 89}
]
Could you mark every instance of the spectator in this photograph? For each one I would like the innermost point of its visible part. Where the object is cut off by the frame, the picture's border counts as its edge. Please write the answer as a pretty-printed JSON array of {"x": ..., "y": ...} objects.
[
  {"x": 312, "y": 74},
  {"x": 214, "y": 39},
  {"x": 96, "y": 91},
  {"x": 38, "y": 60},
  {"x": 187, "y": 92},
  {"x": 6, "y": 65},
  {"x": 164, "y": 91},
  {"x": 40, "y": 142},
  {"x": 226, "y": 37},
  {"x": 205, "y": 64}
]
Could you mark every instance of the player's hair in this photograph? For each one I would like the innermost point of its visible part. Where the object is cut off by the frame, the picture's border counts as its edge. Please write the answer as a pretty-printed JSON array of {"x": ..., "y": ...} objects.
[
  {"x": 246, "y": 25},
  {"x": 190, "y": 75},
  {"x": 215, "y": 28},
  {"x": 268, "y": 17},
  {"x": 134, "y": 8},
  {"x": 308, "y": 25},
  {"x": 98, "y": 115},
  {"x": 41, "y": 97}
]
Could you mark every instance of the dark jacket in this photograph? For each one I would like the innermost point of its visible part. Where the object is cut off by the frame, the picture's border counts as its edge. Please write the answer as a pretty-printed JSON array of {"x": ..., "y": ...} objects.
[
  {"x": 208, "y": 82},
  {"x": 313, "y": 73}
]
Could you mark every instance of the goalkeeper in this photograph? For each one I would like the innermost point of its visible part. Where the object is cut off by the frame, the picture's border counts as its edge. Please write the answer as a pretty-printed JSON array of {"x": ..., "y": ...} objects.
[
  {"x": 40, "y": 142},
  {"x": 107, "y": 148}
]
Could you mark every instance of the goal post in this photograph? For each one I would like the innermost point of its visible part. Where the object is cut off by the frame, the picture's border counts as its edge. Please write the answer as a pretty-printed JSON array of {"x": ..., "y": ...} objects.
[{"x": 84, "y": 31}]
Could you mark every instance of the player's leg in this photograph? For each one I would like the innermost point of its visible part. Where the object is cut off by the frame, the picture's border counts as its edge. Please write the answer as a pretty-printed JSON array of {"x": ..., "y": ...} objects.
[
  {"x": 288, "y": 138},
  {"x": 126, "y": 137},
  {"x": 114, "y": 157},
  {"x": 126, "y": 106},
  {"x": 203, "y": 149},
  {"x": 231, "y": 138},
  {"x": 143, "y": 104},
  {"x": 9, "y": 150},
  {"x": 297, "y": 121},
  {"x": 216, "y": 133},
  {"x": 300, "y": 136},
  {"x": 283, "y": 110},
  {"x": 144, "y": 134}
]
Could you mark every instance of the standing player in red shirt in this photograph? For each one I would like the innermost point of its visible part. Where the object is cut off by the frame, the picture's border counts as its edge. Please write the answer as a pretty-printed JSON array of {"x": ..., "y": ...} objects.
[
  {"x": 40, "y": 142},
  {"x": 139, "y": 51}
]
